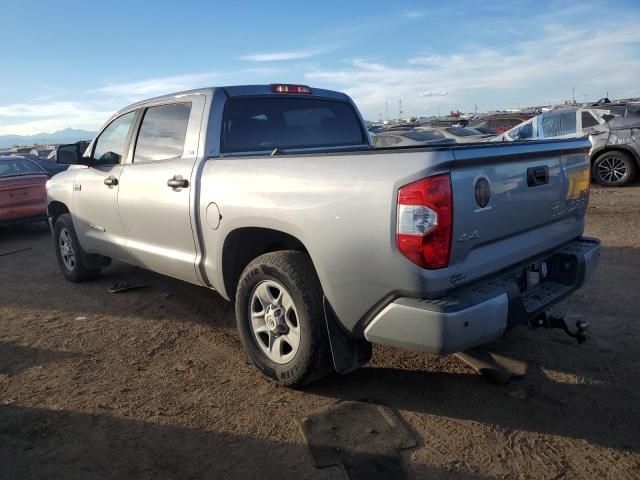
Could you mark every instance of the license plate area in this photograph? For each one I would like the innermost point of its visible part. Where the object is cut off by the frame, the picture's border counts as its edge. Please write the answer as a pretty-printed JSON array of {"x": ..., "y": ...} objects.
[{"x": 557, "y": 268}]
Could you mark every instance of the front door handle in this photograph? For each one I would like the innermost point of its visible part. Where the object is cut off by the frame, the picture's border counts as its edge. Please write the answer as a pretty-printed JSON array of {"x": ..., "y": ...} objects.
[
  {"x": 178, "y": 182},
  {"x": 111, "y": 181}
]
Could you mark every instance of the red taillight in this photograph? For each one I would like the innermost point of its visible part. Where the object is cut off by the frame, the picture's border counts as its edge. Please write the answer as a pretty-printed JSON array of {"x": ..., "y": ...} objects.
[
  {"x": 425, "y": 220},
  {"x": 286, "y": 88}
]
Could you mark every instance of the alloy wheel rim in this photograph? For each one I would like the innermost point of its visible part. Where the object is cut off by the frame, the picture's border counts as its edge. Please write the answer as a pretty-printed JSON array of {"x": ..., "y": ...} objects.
[
  {"x": 66, "y": 249},
  {"x": 612, "y": 169},
  {"x": 274, "y": 321}
]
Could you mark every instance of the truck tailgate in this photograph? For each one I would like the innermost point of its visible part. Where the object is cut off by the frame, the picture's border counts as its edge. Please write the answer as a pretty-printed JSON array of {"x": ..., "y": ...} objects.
[{"x": 501, "y": 201}]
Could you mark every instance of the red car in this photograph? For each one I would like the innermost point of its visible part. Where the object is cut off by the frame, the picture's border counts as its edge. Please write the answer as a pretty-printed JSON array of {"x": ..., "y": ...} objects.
[{"x": 22, "y": 191}]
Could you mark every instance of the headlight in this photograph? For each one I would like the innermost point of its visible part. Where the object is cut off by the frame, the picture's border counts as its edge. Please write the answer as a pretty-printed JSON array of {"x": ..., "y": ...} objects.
[{"x": 47, "y": 185}]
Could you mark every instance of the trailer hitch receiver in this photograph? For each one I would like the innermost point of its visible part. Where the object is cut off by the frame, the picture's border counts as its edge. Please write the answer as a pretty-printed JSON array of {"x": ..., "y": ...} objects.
[{"x": 579, "y": 332}]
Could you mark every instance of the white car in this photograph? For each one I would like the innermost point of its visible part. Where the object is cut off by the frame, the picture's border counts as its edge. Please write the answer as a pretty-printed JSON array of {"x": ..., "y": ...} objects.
[{"x": 573, "y": 122}]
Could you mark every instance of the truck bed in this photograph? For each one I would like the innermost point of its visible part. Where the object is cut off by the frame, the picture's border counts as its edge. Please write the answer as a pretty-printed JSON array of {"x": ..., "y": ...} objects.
[{"x": 342, "y": 207}]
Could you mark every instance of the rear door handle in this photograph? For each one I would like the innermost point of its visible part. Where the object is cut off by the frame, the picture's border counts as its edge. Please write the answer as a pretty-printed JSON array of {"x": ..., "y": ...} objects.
[
  {"x": 178, "y": 182},
  {"x": 537, "y": 176},
  {"x": 111, "y": 181}
]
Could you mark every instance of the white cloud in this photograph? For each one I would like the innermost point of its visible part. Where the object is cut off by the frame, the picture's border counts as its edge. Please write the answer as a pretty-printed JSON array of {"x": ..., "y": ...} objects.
[
  {"x": 415, "y": 14},
  {"x": 434, "y": 93},
  {"x": 525, "y": 72},
  {"x": 280, "y": 56},
  {"x": 157, "y": 86},
  {"x": 30, "y": 118}
]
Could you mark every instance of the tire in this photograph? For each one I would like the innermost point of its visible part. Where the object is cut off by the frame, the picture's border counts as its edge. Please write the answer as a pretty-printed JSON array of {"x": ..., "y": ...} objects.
[
  {"x": 69, "y": 252},
  {"x": 614, "y": 169},
  {"x": 264, "y": 313}
]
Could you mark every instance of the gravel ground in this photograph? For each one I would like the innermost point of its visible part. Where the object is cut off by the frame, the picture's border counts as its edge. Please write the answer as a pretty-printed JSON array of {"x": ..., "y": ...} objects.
[{"x": 154, "y": 383}]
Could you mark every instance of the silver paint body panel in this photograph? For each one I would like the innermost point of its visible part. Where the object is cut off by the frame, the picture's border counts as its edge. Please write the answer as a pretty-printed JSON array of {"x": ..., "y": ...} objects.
[{"x": 340, "y": 205}]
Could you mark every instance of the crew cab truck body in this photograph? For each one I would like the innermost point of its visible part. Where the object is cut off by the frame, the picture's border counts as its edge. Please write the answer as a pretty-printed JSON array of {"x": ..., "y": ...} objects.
[{"x": 273, "y": 196}]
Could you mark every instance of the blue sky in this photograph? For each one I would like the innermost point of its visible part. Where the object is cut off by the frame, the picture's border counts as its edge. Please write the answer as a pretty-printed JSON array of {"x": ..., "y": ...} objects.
[{"x": 73, "y": 63}]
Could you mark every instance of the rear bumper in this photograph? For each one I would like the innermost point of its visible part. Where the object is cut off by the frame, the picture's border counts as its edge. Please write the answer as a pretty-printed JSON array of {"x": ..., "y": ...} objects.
[{"x": 481, "y": 312}]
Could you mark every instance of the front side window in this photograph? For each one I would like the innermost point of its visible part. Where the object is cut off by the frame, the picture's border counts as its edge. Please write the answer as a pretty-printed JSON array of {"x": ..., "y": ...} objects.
[
  {"x": 162, "y": 133},
  {"x": 258, "y": 124},
  {"x": 111, "y": 143}
]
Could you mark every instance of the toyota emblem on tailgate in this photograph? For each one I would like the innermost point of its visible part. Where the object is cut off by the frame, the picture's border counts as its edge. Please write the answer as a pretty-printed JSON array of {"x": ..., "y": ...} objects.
[{"x": 482, "y": 191}]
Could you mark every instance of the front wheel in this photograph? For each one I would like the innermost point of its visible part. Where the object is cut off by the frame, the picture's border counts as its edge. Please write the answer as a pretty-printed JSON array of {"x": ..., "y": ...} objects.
[
  {"x": 69, "y": 252},
  {"x": 280, "y": 318},
  {"x": 614, "y": 169}
]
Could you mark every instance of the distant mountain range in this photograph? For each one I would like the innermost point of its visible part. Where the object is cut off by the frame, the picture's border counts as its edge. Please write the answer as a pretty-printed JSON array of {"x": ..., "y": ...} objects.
[{"x": 68, "y": 135}]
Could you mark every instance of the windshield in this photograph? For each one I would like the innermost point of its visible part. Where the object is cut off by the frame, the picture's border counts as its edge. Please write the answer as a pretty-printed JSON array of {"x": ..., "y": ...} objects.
[
  {"x": 462, "y": 131},
  {"x": 17, "y": 166},
  {"x": 424, "y": 135},
  {"x": 258, "y": 124}
]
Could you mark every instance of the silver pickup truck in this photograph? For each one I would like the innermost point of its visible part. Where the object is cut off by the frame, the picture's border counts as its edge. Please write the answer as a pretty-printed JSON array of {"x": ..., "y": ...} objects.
[{"x": 273, "y": 196}]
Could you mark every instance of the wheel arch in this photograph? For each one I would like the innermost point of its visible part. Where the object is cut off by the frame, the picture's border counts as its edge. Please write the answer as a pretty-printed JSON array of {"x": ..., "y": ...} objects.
[
  {"x": 616, "y": 148},
  {"x": 244, "y": 244},
  {"x": 56, "y": 208}
]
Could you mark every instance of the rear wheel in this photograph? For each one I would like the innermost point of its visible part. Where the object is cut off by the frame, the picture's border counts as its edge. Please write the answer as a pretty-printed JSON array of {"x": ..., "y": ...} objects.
[
  {"x": 69, "y": 252},
  {"x": 614, "y": 169},
  {"x": 280, "y": 318}
]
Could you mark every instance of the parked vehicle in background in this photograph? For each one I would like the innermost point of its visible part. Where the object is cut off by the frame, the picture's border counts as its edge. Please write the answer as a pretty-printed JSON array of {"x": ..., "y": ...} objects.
[
  {"x": 572, "y": 122},
  {"x": 459, "y": 134},
  {"x": 486, "y": 131},
  {"x": 273, "y": 196},
  {"x": 502, "y": 122},
  {"x": 47, "y": 165},
  {"x": 409, "y": 137},
  {"x": 22, "y": 190},
  {"x": 615, "y": 156}
]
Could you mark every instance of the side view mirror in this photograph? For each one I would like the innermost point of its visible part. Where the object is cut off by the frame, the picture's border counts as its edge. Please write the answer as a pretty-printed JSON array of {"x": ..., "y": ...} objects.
[{"x": 69, "y": 154}]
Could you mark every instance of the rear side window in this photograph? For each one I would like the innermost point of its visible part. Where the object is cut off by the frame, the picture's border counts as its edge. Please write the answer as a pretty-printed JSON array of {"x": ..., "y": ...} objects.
[
  {"x": 162, "y": 133},
  {"x": 256, "y": 124},
  {"x": 557, "y": 124},
  {"x": 588, "y": 120}
]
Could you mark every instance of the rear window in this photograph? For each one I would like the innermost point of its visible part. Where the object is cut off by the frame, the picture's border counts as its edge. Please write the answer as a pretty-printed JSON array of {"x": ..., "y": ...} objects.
[
  {"x": 10, "y": 168},
  {"x": 255, "y": 124}
]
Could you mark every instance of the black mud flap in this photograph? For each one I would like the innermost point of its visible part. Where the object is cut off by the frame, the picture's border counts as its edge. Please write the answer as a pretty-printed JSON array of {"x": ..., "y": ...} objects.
[{"x": 348, "y": 353}]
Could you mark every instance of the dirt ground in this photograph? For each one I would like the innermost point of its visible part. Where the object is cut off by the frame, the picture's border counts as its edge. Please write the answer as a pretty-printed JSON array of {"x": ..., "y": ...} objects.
[{"x": 154, "y": 383}]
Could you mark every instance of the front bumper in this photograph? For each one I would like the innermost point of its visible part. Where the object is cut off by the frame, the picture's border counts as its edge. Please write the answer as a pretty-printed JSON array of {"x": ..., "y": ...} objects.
[{"x": 483, "y": 311}]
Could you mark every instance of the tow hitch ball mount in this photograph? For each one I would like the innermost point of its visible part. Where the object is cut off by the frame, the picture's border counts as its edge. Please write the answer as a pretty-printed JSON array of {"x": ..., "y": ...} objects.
[{"x": 546, "y": 320}]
